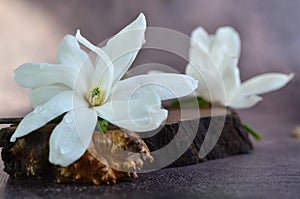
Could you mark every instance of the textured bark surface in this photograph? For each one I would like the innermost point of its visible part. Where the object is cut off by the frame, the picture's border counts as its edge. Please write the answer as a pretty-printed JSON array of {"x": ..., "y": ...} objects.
[
  {"x": 28, "y": 157},
  {"x": 233, "y": 140}
]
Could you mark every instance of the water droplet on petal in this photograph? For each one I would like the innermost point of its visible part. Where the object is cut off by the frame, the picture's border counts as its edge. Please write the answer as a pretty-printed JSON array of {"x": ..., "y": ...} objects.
[
  {"x": 38, "y": 109},
  {"x": 68, "y": 119},
  {"x": 64, "y": 150}
]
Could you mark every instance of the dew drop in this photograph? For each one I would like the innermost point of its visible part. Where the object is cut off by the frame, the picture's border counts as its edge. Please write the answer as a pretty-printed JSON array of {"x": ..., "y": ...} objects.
[
  {"x": 64, "y": 150},
  {"x": 38, "y": 109},
  {"x": 68, "y": 119}
]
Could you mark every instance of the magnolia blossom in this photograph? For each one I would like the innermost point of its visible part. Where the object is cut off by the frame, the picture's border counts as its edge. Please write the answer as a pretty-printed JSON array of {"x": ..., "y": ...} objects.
[
  {"x": 213, "y": 61},
  {"x": 85, "y": 89}
]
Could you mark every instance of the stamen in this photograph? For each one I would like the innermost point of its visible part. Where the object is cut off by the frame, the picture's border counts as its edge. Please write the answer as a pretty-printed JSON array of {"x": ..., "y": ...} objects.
[{"x": 95, "y": 96}]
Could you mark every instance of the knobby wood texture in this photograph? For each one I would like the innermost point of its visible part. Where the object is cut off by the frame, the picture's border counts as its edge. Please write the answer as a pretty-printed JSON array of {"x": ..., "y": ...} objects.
[{"x": 190, "y": 129}]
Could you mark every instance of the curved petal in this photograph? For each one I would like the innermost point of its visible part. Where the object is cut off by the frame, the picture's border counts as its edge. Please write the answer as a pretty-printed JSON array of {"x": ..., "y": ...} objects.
[
  {"x": 202, "y": 38},
  {"x": 226, "y": 44},
  {"x": 42, "y": 114},
  {"x": 244, "y": 101},
  {"x": 165, "y": 85},
  {"x": 200, "y": 59},
  {"x": 40, "y": 95},
  {"x": 100, "y": 53},
  {"x": 104, "y": 80},
  {"x": 140, "y": 115},
  {"x": 103, "y": 75},
  {"x": 265, "y": 83},
  {"x": 230, "y": 76},
  {"x": 201, "y": 90},
  {"x": 71, "y": 138},
  {"x": 210, "y": 87},
  {"x": 69, "y": 52},
  {"x": 124, "y": 46},
  {"x": 32, "y": 75}
]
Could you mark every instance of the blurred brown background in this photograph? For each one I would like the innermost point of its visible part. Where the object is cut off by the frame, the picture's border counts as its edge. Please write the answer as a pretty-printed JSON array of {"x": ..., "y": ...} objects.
[{"x": 270, "y": 31}]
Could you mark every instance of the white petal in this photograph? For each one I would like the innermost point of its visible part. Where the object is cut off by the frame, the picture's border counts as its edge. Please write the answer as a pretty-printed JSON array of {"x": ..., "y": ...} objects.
[
  {"x": 140, "y": 115},
  {"x": 70, "y": 139},
  {"x": 40, "y": 95},
  {"x": 103, "y": 75},
  {"x": 69, "y": 52},
  {"x": 265, "y": 83},
  {"x": 124, "y": 46},
  {"x": 42, "y": 114},
  {"x": 193, "y": 72},
  {"x": 200, "y": 59},
  {"x": 165, "y": 85},
  {"x": 244, "y": 101},
  {"x": 92, "y": 47},
  {"x": 202, "y": 89},
  {"x": 33, "y": 75},
  {"x": 230, "y": 76},
  {"x": 210, "y": 86},
  {"x": 202, "y": 38},
  {"x": 226, "y": 43}
]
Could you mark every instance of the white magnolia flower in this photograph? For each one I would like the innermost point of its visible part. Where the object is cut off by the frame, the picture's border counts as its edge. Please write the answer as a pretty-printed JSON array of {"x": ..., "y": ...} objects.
[
  {"x": 85, "y": 91},
  {"x": 213, "y": 61}
]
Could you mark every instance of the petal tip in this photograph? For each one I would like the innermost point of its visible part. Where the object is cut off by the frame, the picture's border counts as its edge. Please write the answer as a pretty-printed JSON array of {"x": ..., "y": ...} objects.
[
  {"x": 228, "y": 28},
  {"x": 291, "y": 76},
  {"x": 12, "y": 139},
  {"x": 192, "y": 82},
  {"x": 57, "y": 161},
  {"x": 198, "y": 30},
  {"x": 78, "y": 35},
  {"x": 195, "y": 84},
  {"x": 142, "y": 18},
  {"x": 142, "y": 15},
  {"x": 259, "y": 98}
]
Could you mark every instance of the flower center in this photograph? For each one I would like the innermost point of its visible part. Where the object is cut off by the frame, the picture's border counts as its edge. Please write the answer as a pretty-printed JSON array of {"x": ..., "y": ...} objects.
[{"x": 95, "y": 96}]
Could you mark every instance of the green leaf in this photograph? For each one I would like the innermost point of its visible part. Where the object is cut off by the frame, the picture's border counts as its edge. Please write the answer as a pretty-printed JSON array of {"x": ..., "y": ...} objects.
[
  {"x": 252, "y": 132},
  {"x": 203, "y": 103},
  {"x": 102, "y": 125}
]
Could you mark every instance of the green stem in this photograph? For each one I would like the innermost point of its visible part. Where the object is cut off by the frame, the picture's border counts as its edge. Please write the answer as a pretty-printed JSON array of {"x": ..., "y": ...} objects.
[{"x": 252, "y": 132}]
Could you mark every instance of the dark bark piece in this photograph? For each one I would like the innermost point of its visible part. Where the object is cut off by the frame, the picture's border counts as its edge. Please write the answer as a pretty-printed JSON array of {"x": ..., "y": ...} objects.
[
  {"x": 28, "y": 157},
  {"x": 10, "y": 120},
  {"x": 233, "y": 140}
]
